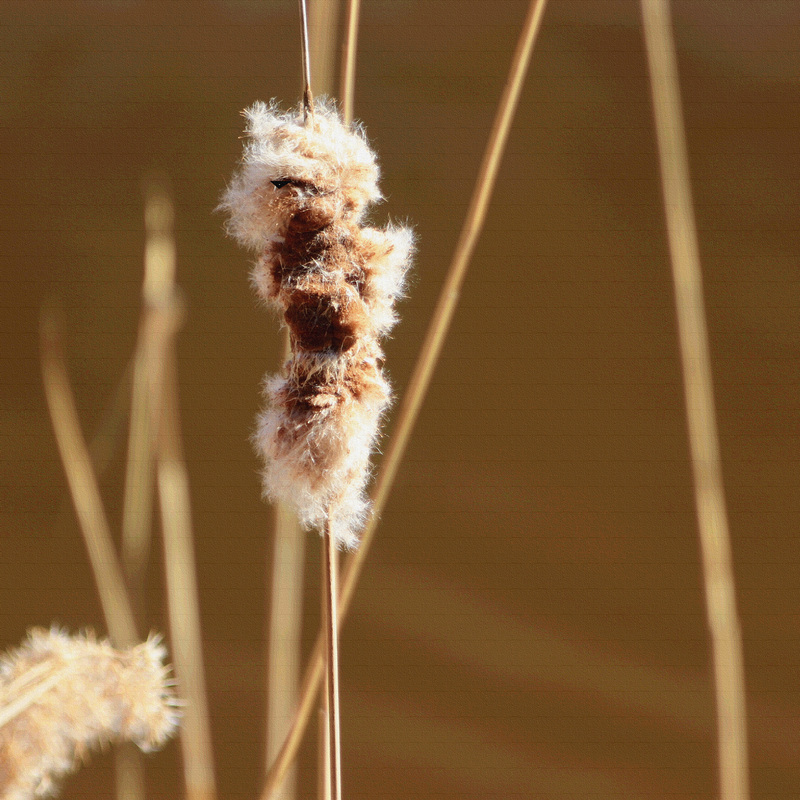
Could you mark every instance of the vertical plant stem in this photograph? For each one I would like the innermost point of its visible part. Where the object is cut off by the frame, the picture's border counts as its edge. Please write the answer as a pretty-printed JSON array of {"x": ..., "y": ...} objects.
[
  {"x": 332, "y": 663},
  {"x": 84, "y": 489},
  {"x": 323, "y": 750},
  {"x": 726, "y": 638},
  {"x": 159, "y": 269},
  {"x": 420, "y": 380},
  {"x": 183, "y": 604},
  {"x": 323, "y": 21},
  {"x": 285, "y": 628},
  {"x": 129, "y": 772},
  {"x": 102, "y": 446},
  {"x": 137, "y": 503},
  {"x": 324, "y": 730},
  {"x": 137, "y": 513},
  {"x": 308, "y": 98},
  {"x": 349, "y": 60},
  {"x": 182, "y": 594}
]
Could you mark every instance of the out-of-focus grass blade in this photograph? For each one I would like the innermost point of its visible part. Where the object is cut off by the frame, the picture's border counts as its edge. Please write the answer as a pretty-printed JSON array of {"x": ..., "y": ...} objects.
[
  {"x": 165, "y": 313},
  {"x": 83, "y": 486},
  {"x": 715, "y": 545}
]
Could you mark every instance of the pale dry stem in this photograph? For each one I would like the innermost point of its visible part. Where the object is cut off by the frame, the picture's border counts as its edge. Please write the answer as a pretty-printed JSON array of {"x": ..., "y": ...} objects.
[
  {"x": 323, "y": 22},
  {"x": 349, "y": 60},
  {"x": 331, "y": 616},
  {"x": 83, "y": 486},
  {"x": 173, "y": 488},
  {"x": 159, "y": 270},
  {"x": 182, "y": 596},
  {"x": 137, "y": 513},
  {"x": 285, "y": 628},
  {"x": 726, "y": 637}
]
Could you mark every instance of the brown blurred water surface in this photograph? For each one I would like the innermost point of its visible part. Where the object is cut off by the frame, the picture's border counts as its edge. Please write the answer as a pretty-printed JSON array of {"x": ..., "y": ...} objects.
[{"x": 531, "y": 619}]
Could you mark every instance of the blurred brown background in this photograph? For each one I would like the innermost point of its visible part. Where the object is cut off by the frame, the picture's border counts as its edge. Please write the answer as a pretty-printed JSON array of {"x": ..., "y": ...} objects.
[{"x": 531, "y": 619}]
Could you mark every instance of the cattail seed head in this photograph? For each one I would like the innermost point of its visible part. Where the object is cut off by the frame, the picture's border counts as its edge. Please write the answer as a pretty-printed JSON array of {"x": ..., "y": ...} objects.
[
  {"x": 62, "y": 696},
  {"x": 299, "y": 200}
]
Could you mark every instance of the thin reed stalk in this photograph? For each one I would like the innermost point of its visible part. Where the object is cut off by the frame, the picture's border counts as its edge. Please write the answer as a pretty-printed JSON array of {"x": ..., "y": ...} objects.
[
  {"x": 138, "y": 498},
  {"x": 332, "y": 741},
  {"x": 103, "y": 444},
  {"x": 85, "y": 491},
  {"x": 349, "y": 60},
  {"x": 284, "y": 635},
  {"x": 308, "y": 97},
  {"x": 182, "y": 596},
  {"x": 173, "y": 488},
  {"x": 323, "y": 24},
  {"x": 115, "y": 601},
  {"x": 715, "y": 545},
  {"x": 137, "y": 512},
  {"x": 330, "y": 584},
  {"x": 159, "y": 268},
  {"x": 323, "y": 750},
  {"x": 420, "y": 380}
]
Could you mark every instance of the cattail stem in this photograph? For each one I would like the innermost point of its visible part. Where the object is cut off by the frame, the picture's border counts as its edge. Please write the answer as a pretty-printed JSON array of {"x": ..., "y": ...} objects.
[
  {"x": 323, "y": 29},
  {"x": 420, "y": 380},
  {"x": 308, "y": 99},
  {"x": 715, "y": 545},
  {"x": 332, "y": 663},
  {"x": 323, "y": 751},
  {"x": 159, "y": 267},
  {"x": 349, "y": 60}
]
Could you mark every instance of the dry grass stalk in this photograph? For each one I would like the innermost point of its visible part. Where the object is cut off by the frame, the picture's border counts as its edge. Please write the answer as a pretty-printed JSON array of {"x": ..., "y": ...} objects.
[
  {"x": 420, "y": 380},
  {"x": 62, "y": 696},
  {"x": 323, "y": 751},
  {"x": 173, "y": 488},
  {"x": 333, "y": 738},
  {"x": 159, "y": 266},
  {"x": 284, "y": 635},
  {"x": 102, "y": 447},
  {"x": 84, "y": 489},
  {"x": 323, "y": 27},
  {"x": 726, "y": 637},
  {"x": 137, "y": 513},
  {"x": 182, "y": 597},
  {"x": 349, "y": 60}
]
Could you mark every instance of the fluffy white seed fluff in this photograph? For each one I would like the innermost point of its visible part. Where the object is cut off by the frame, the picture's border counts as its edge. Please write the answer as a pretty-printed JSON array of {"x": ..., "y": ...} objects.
[
  {"x": 299, "y": 200},
  {"x": 62, "y": 696}
]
